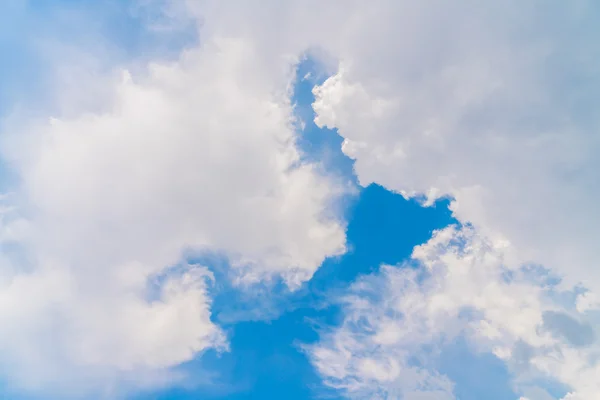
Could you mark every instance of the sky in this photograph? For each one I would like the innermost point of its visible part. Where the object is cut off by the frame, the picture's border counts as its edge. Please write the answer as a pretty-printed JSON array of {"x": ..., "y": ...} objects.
[{"x": 224, "y": 199}]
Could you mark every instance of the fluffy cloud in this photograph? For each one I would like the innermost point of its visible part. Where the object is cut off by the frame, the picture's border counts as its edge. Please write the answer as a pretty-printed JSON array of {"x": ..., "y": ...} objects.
[
  {"x": 492, "y": 104},
  {"x": 197, "y": 154},
  {"x": 398, "y": 322}
]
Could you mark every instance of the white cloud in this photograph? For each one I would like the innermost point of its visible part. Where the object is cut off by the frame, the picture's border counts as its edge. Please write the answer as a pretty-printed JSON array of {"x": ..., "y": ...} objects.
[
  {"x": 398, "y": 322},
  {"x": 197, "y": 154},
  {"x": 491, "y": 104}
]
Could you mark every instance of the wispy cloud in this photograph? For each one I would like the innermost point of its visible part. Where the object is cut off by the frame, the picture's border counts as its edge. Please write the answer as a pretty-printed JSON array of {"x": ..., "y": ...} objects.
[{"x": 398, "y": 322}]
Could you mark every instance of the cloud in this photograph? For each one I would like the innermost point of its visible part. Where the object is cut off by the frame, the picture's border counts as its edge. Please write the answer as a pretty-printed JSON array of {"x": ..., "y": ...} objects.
[
  {"x": 491, "y": 105},
  {"x": 398, "y": 322},
  {"x": 192, "y": 155}
]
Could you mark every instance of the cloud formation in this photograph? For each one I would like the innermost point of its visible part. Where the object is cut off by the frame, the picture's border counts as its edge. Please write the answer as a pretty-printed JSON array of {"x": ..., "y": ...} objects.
[
  {"x": 397, "y": 324},
  {"x": 194, "y": 155},
  {"x": 492, "y": 104}
]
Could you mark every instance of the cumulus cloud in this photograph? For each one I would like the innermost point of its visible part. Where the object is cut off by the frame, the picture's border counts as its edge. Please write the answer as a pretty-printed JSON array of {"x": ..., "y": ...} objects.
[
  {"x": 191, "y": 155},
  {"x": 398, "y": 322},
  {"x": 490, "y": 104}
]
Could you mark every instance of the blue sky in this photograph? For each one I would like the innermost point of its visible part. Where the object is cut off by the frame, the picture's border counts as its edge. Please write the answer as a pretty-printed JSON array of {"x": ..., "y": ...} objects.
[
  {"x": 216, "y": 200},
  {"x": 266, "y": 358}
]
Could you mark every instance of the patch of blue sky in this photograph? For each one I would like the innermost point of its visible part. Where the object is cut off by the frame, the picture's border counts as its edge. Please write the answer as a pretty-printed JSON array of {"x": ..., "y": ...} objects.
[
  {"x": 267, "y": 325},
  {"x": 320, "y": 145}
]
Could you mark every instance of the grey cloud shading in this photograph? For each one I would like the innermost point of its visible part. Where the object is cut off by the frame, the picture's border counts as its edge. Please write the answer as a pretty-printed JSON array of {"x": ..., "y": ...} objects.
[{"x": 568, "y": 328}]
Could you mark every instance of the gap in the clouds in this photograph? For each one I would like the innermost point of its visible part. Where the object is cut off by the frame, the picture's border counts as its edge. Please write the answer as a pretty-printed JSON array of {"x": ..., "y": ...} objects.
[
  {"x": 318, "y": 145},
  {"x": 267, "y": 324}
]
